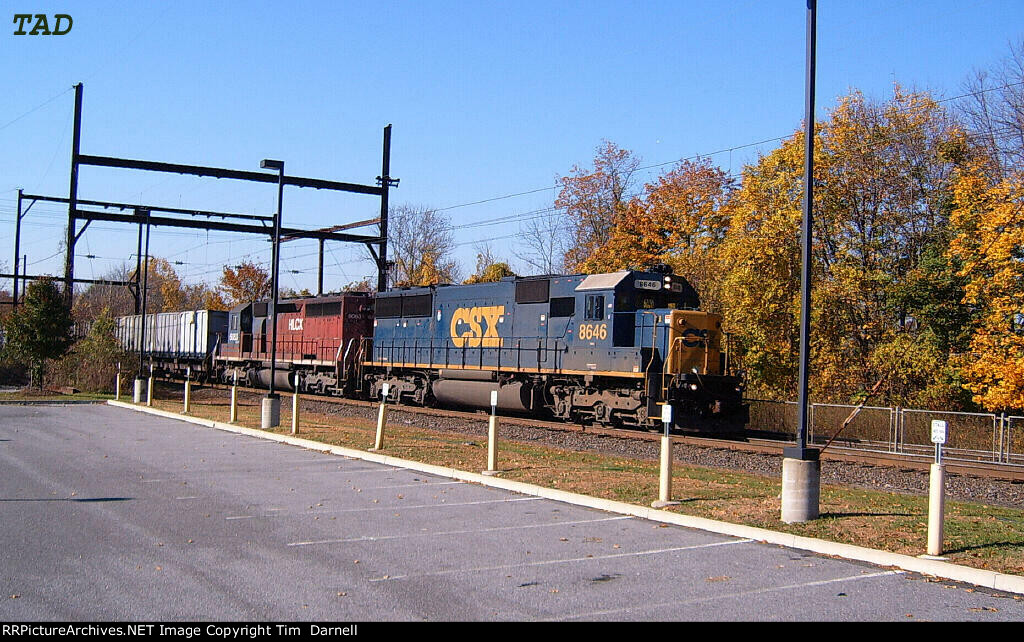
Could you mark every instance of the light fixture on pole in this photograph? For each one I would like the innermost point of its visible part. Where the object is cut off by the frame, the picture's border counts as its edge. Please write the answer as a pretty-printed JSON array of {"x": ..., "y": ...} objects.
[{"x": 272, "y": 403}]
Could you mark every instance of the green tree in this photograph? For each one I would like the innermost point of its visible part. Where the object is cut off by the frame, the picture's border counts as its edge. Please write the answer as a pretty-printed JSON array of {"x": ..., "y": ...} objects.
[
  {"x": 40, "y": 329},
  {"x": 92, "y": 363}
]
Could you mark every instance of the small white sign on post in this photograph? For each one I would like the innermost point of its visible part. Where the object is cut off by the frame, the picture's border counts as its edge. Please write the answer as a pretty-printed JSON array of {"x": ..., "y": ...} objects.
[
  {"x": 666, "y": 414},
  {"x": 494, "y": 399},
  {"x": 938, "y": 431},
  {"x": 385, "y": 389}
]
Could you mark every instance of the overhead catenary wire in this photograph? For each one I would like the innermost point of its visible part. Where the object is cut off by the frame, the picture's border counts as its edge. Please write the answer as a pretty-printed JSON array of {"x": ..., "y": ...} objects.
[{"x": 499, "y": 220}]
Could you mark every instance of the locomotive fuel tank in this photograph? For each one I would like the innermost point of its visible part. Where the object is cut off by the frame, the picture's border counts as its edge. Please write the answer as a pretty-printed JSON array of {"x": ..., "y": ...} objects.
[
  {"x": 283, "y": 380},
  {"x": 512, "y": 397}
]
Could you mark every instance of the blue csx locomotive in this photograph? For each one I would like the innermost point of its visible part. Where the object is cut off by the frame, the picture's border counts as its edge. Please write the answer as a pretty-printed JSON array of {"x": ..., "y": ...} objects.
[{"x": 602, "y": 348}]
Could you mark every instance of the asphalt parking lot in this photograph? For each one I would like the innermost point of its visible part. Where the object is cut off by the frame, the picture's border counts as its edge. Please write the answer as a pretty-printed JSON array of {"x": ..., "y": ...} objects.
[{"x": 110, "y": 514}]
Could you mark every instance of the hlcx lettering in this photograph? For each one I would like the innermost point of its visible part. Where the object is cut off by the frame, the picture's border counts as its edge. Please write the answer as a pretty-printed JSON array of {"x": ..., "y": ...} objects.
[{"x": 477, "y": 327}]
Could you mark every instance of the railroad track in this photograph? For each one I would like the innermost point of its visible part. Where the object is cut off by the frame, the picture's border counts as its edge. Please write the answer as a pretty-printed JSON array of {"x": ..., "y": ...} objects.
[{"x": 735, "y": 441}]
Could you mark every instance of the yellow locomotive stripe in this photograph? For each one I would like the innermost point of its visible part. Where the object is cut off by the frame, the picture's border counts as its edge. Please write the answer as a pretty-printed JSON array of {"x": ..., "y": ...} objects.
[{"x": 441, "y": 366}]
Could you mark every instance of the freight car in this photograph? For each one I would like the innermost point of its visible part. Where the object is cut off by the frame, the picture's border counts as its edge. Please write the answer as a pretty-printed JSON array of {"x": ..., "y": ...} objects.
[
  {"x": 175, "y": 341},
  {"x": 601, "y": 348}
]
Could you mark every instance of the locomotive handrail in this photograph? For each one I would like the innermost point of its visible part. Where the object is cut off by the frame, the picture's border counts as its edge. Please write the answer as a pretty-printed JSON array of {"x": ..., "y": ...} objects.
[{"x": 406, "y": 352}]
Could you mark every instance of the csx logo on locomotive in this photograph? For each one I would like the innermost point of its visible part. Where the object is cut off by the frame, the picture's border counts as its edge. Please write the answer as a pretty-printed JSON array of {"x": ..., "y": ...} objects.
[{"x": 477, "y": 327}]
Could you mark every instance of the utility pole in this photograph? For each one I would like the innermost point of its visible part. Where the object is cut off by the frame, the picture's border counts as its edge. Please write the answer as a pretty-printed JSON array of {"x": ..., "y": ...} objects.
[
  {"x": 385, "y": 181},
  {"x": 76, "y": 143}
]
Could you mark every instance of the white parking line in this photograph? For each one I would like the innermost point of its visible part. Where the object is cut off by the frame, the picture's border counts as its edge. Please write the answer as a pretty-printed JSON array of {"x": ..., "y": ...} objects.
[
  {"x": 392, "y": 508},
  {"x": 416, "y": 485},
  {"x": 388, "y": 578},
  {"x": 372, "y": 538},
  {"x": 767, "y": 589}
]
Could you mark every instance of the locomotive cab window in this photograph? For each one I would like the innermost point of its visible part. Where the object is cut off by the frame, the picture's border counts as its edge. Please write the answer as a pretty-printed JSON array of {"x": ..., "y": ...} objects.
[
  {"x": 563, "y": 307},
  {"x": 594, "y": 307}
]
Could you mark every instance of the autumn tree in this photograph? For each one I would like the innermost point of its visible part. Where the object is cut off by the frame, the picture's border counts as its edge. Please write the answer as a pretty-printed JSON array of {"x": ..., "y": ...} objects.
[
  {"x": 245, "y": 282},
  {"x": 362, "y": 285},
  {"x": 989, "y": 243},
  {"x": 594, "y": 200},
  {"x": 165, "y": 293},
  {"x": 489, "y": 266},
  {"x": 761, "y": 255},
  {"x": 118, "y": 299},
  {"x": 681, "y": 220},
  {"x": 883, "y": 175},
  {"x": 421, "y": 245},
  {"x": 993, "y": 110}
]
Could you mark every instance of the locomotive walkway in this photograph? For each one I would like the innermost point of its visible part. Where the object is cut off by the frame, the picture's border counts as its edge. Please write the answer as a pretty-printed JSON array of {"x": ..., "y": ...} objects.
[{"x": 111, "y": 514}]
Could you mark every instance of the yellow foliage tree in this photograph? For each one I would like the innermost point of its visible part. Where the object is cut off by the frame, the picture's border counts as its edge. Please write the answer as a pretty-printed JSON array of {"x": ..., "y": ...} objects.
[
  {"x": 989, "y": 224},
  {"x": 761, "y": 255}
]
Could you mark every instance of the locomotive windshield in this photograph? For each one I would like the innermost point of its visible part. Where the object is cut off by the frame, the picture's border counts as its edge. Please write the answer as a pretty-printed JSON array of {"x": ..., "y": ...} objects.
[{"x": 642, "y": 300}]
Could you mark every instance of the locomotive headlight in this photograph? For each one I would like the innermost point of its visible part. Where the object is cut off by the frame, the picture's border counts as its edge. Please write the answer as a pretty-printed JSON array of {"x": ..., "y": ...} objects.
[
  {"x": 693, "y": 387},
  {"x": 668, "y": 279}
]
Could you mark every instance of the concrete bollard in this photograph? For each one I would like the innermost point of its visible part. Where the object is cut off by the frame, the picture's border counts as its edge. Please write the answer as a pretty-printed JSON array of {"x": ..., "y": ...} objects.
[
  {"x": 117, "y": 383},
  {"x": 137, "y": 392},
  {"x": 665, "y": 479},
  {"x": 188, "y": 389},
  {"x": 234, "y": 400},
  {"x": 149, "y": 397},
  {"x": 936, "y": 509},
  {"x": 492, "y": 437},
  {"x": 801, "y": 489},
  {"x": 271, "y": 416},
  {"x": 382, "y": 417},
  {"x": 295, "y": 407}
]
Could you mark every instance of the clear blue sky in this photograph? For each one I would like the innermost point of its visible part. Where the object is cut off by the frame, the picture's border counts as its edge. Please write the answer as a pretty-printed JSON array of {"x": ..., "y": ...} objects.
[{"x": 486, "y": 99}]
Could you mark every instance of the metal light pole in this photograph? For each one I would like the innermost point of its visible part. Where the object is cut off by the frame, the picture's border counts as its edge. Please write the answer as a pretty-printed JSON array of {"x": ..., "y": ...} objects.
[
  {"x": 272, "y": 403},
  {"x": 137, "y": 393},
  {"x": 801, "y": 467}
]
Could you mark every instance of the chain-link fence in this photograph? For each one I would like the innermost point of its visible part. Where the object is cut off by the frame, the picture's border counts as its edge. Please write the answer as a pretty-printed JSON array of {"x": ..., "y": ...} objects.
[{"x": 970, "y": 436}]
